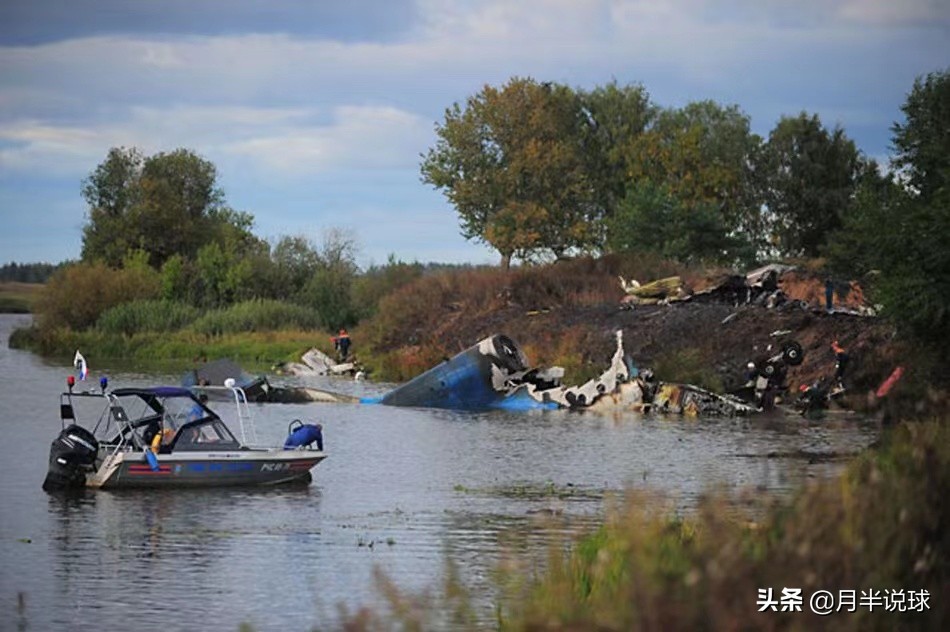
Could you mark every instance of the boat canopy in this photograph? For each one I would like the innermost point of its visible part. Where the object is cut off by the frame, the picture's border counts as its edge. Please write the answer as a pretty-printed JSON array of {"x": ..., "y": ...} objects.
[{"x": 154, "y": 391}]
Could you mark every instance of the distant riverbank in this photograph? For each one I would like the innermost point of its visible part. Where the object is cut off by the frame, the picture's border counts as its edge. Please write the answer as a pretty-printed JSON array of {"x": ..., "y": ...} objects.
[{"x": 18, "y": 298}]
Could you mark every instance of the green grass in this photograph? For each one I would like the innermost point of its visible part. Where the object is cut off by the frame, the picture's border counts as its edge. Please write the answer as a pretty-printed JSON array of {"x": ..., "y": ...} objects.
[
  {"x": 147, "y": 316},
  {"x": 257, "y": 316},
  {"x": 259, "y": 348}
]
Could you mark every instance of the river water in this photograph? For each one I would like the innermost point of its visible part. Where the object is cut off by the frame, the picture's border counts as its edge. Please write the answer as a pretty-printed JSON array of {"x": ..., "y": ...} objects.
[{"x": 402, "y": 491}]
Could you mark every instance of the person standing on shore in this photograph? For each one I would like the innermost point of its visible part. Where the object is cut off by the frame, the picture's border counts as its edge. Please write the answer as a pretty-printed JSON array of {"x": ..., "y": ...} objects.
[
  {"x": 841, "y": 363},
  {"x": 342, "y": 344}
]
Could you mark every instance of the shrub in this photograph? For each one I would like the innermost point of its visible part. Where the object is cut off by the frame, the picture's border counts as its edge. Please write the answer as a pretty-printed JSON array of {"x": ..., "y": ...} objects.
[
  {"x": 257, "y": 315},
  {"x": 370, "y": 287},
  {"x": 78, "y": 294},
  {"x": 147, "y": 316}
]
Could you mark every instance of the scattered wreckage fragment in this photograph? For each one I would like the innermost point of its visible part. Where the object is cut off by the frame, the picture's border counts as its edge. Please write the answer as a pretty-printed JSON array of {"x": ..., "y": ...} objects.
[
  {"x": 315, "y": 363},
  {"x": 659, "y": 291},
  {"x": 761, "y": 286},
  {"x": 766, "y": 381}
]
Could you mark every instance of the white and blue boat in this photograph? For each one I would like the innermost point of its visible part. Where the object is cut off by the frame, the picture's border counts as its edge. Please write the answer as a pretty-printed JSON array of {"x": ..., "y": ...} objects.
[{"x": 167, "y": 436}]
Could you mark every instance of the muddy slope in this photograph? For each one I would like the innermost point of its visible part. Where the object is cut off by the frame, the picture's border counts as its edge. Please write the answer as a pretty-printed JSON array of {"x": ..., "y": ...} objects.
[{"x": 576, "y": 330}]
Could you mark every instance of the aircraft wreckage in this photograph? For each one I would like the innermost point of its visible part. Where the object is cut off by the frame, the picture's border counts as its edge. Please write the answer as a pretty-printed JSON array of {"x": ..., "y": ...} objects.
[{"x": 494, "y": 374}]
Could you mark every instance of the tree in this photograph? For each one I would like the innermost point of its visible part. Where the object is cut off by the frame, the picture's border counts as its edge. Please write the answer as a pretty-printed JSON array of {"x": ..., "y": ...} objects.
[
  {"x": 513, "y": 164},
  {"x": 897, "y": 226},
  {"x": 618, "y": 117},
  {"x": 810, "y": 176},
  {"x": 295, "y": 261},
  {"x": 922, "y": 142},
  {"x": 167, "y": 204},
  {"x": 110, "y": 192},
  {"x": 329, "y": 291},
  {"x": 703, "y": 155},
  {"x": 652, "y": 219}
]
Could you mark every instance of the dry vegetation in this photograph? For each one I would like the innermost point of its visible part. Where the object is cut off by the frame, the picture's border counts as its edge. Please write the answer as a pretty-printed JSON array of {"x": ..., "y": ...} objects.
[{"x": 18, "y": 298}]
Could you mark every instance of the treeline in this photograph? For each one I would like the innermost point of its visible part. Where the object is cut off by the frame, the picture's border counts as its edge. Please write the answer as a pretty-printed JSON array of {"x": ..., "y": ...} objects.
[
  {"x": 28, "y": 272},
  {"x": 541, "y": 170}
]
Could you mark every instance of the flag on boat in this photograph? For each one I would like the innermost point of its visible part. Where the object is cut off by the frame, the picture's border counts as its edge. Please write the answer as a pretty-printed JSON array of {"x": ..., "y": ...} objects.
[{"x": 80, "y": 363}]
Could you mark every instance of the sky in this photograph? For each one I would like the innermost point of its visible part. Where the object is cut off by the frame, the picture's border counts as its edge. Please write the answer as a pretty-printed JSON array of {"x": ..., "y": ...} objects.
[{"x": 316, "y": 113}]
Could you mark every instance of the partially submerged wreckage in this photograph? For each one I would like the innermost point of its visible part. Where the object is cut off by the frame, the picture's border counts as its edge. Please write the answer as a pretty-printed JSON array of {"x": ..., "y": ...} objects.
[
  {"x": 257, "y": 388},
  {"x": 494, "y": 374}
]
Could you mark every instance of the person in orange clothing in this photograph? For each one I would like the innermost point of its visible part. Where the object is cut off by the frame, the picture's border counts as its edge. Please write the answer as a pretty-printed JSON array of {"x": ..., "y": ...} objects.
[
  {"x": 342, "y": 344},
  {"x": 841, "y": 363}
]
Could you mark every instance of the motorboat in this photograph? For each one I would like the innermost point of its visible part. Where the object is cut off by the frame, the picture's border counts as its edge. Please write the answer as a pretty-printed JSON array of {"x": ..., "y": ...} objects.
[{"x": 167, "y": 436}]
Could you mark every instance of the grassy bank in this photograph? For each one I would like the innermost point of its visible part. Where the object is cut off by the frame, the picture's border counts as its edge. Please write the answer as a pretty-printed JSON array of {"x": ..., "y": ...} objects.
[
  {"x": 18, "y": 298},
  {"x": 255, "y": 331},
  {"x": 255, "y": 348},
  {"x": 880, "y": 528}
]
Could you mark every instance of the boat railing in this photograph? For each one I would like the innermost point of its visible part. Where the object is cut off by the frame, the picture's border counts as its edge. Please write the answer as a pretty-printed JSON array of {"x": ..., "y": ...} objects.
[{"x": 244, "y": 418}]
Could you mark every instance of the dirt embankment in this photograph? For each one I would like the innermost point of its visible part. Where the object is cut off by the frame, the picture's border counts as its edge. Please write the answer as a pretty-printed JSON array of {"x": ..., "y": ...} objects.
[{"x": 567, "y": 316}]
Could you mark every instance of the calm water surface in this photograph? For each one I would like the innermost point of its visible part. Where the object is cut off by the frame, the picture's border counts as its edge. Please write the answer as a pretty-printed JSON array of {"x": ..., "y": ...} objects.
[{"x": 402, "y": 491}]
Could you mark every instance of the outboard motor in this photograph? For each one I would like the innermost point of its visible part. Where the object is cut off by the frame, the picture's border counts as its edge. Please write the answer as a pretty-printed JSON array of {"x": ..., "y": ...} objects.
[
  {"x": 300, "y": 435},
  {"x": 71, "y": 455}
]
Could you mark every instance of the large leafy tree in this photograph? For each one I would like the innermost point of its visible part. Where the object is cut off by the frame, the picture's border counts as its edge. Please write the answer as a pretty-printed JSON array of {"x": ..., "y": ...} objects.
[
  {"x": 702, "y": 156},
  {"x": 810, "y": 175},
  {"x": 513, "y": 164},
  {"x": 167, "y": 204},
  {"x": 295, "y": 260},
  {"x": 618, "y": 116},
  {"x": 329, "y": 289},
  {"x": 922, "y": 142},
  {"x": 899, "y": 224}
]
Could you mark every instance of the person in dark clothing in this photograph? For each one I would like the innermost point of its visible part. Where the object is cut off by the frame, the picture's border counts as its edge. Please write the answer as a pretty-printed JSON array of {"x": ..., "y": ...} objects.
[{"x": 829, "y": 294}]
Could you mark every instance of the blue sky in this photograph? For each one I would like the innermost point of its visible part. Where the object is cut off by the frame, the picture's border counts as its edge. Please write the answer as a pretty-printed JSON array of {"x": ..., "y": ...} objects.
[{"x": 316, "y": 112}]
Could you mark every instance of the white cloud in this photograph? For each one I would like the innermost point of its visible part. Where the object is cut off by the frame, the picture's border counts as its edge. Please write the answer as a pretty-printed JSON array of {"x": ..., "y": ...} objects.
[
  {"x": 286, "y": 141},
  {"x": 357, "y": 138}
]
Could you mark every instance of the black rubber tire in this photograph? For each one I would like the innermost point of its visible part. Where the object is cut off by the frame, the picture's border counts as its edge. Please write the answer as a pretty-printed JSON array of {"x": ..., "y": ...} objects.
[
  {"x": 792, "y": 353},
  {"x": 508, "y": 354}
]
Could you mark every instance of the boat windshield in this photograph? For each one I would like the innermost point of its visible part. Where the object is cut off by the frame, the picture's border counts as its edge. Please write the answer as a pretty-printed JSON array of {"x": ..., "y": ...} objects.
[{"x": 207, "y": 434}]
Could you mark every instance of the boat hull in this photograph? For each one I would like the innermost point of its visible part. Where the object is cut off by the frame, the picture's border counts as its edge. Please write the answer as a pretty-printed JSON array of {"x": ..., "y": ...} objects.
[{"x": 131, "y": 470}]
